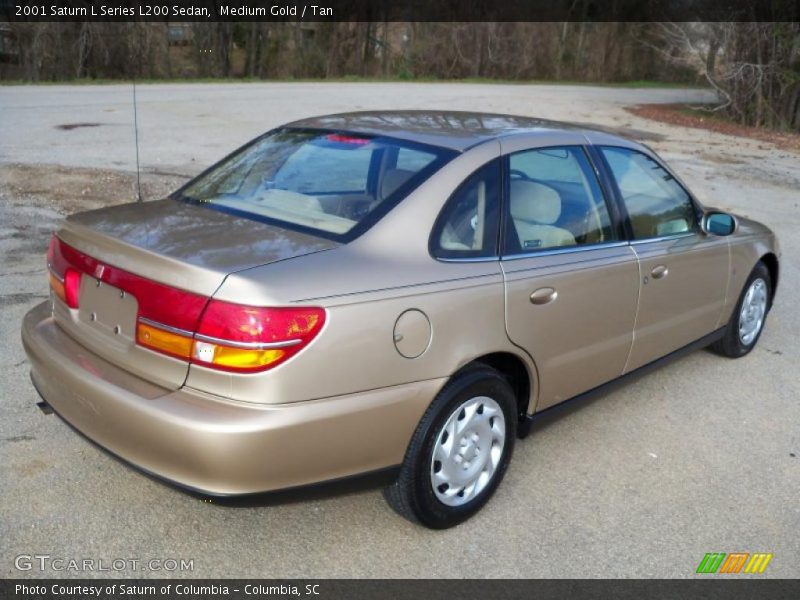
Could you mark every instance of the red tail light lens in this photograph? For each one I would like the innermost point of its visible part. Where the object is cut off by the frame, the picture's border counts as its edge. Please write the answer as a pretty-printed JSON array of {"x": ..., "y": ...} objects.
[
  {"x": 157, "y": 302},
  {"x": 64, "y": 279},
  {"x": 236, "y": 337},
  {"x": 215, "y": 334},
  {"x": 252, "y": 324},
  {"x": 72, "y": 287},
  {"x": 347, "y": 139}
]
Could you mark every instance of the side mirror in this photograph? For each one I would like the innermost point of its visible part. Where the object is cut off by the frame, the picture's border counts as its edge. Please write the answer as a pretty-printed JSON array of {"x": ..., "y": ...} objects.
[{"x": 719, "y": 223}]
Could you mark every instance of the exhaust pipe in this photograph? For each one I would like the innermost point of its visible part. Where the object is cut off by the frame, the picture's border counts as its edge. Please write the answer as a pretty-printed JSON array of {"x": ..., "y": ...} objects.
[{"x": 45, "y": 407}]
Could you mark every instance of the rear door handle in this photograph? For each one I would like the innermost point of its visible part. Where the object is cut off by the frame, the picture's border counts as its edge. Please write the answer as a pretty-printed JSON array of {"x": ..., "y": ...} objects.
[
  {"x": 659, "y": 272},
  {"x": 544, "y": 295}
]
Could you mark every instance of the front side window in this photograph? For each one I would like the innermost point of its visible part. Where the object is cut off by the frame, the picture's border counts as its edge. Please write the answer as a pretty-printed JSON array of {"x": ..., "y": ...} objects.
[
  {"x": 468, "y": 224},
  {"x": 329, "y": 184},
  {"x": 554, "y": 201},
  {"x": 657, "y": 205}
]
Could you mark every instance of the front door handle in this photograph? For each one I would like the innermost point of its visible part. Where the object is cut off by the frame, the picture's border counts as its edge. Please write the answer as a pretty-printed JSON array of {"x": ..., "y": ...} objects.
[
  {"x": 543, "y": 295},
  {"x": 659, "y": 272}
]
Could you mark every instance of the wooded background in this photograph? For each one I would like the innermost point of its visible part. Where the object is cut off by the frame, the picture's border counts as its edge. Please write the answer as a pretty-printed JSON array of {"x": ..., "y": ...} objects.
[{"x": 754, "y": 67}]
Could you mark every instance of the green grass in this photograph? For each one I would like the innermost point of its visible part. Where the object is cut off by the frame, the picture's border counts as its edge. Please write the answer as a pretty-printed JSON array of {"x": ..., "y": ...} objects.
[{"x": 359, "y": 79}]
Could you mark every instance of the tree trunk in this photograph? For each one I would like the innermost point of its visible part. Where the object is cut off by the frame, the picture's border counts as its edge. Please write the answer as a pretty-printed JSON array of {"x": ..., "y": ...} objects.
[{"x": 366, "y": 53}]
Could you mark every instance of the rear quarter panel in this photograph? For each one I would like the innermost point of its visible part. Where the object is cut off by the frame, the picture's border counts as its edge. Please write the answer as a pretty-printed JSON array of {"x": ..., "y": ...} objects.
[{"x": 356, "y": 349}]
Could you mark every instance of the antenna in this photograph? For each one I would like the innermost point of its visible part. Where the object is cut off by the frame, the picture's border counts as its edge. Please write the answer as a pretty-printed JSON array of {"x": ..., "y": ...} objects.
[{"x": 136, "y": 134}]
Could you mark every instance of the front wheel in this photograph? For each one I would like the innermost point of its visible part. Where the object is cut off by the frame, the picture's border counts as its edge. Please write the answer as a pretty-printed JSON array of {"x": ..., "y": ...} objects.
[
  {"x": 747, "y": 320},
  {"x": 459, "y": 451}
]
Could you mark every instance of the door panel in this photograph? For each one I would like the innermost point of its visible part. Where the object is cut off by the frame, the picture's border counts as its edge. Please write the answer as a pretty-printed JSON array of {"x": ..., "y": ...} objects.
[
  {"x": 684, "y": 303},
  {"x": 684, "y": 272},
  {"x": 580, "y": 333}
]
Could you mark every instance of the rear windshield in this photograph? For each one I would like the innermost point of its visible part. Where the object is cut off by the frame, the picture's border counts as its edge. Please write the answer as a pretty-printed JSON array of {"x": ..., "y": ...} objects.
[{"x": 331, "y": 184}]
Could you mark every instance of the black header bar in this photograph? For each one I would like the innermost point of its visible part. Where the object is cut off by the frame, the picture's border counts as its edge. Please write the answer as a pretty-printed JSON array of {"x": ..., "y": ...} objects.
[
  {"x": 710, "y": 588},
  {"x": 398, "y": 10}
]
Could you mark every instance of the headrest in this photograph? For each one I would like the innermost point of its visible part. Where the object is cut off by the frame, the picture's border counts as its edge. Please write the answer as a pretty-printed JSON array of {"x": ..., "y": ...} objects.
[
  {"x": 531, "y": 201},
  {"x": 393, "y": 179}
]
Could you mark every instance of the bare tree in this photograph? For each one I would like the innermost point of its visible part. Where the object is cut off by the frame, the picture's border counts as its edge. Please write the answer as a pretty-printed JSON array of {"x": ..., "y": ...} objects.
[{"x": 754, "y": 67}]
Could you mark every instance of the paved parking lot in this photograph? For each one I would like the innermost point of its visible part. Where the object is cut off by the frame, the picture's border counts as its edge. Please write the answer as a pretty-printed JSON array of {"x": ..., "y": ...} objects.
[{"x": 701, "y": 456}]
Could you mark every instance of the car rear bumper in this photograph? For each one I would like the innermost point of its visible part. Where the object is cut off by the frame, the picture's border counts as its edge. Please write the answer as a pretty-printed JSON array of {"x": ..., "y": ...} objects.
[{"x": 212, "y": 445}]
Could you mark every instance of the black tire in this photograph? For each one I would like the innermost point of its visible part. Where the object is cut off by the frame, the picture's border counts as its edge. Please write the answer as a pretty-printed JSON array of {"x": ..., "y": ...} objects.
[
  {"x": 412, "y": 495},
  {"x": 731, "y": 344}
]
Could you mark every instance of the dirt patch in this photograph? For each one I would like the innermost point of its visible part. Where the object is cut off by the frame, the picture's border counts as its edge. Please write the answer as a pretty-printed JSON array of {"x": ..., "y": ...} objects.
[
  {"x": 721, "y": 159},
  {"x": 71, "y": 126},
  {"x": 68, "y": 190},
  {"x": 31, "y": 468},
  {"x": 676, "y": 114},
  {"x": 13, "y": 299}
]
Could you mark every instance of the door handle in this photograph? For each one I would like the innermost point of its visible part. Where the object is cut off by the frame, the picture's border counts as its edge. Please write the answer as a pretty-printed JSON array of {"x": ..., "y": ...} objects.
[
  {"x": 659, "y": 272},
  {"x": 543, "y": 295}
]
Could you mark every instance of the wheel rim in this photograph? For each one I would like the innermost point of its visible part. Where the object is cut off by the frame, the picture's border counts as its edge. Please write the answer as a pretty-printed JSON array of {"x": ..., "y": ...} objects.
[
  {"x": 468, "y": 451},
  {"x": 754, "y": 307}
]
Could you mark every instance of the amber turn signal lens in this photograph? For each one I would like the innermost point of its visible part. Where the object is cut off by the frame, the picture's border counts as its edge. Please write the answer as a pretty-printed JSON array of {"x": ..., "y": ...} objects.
[
  {"x": 163, "y": 341},
  {"x": 57, "y": 287},
  {"x": 239, "y": 359}
]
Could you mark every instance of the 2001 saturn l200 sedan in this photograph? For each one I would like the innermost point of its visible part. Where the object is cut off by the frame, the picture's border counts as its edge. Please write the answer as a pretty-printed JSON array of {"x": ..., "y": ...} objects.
[{"x": 367, "y": 291}]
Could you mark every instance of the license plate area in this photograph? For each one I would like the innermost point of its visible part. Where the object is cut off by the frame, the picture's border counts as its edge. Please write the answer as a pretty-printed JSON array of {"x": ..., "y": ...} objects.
[{"x": 108, "y": 311}]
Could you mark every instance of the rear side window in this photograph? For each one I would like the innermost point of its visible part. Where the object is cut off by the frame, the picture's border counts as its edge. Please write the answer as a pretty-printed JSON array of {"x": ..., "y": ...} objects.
[
  {"x": 468, "y": 225},
  {"x": 330, "y": 184},
  {"x": 554, "y": 201},
  {"x": 657, "y": 205},
  {"x": 411, "y": 160}
]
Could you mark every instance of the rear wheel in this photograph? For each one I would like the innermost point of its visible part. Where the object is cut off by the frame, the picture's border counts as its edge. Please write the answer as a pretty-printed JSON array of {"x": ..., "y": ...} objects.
[
  {"x": 747, "y": 320},
  {"x": 459, "y": 452}
]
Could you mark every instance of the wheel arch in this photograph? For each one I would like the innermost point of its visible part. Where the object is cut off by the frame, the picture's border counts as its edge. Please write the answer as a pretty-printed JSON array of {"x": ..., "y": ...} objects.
[
  {"x": 516, "y": 371},
  {"x": 771, "y": 262}
]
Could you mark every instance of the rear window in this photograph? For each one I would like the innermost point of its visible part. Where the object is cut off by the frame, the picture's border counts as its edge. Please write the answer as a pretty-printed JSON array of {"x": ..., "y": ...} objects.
[{"x": 332, "y": 184}]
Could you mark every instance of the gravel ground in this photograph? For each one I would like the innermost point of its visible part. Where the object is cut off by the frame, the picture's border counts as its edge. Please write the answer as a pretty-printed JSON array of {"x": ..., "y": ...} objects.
[{"x": 700, "y": 456}]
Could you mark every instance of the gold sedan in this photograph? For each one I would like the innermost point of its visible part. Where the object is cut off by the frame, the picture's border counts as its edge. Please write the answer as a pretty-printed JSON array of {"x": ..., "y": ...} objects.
[{"x": 394, "y": 291}]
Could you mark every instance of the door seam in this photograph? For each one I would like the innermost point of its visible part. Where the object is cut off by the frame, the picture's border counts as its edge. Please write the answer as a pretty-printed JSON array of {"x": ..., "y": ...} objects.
[
  {"x": 636, "y": 316},
  {"x": 533, "y": 401},
  {"x": 724, "y": 310}
]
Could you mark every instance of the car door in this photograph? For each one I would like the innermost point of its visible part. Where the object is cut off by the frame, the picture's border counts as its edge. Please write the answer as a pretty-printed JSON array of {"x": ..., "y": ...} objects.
[
  {"x": 571, "y": 281},
  {"x": 684, "y": 272}
]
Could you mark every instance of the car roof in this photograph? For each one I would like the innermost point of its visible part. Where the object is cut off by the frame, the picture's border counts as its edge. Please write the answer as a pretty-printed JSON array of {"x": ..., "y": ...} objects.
[{"x": 456, "y": 130}]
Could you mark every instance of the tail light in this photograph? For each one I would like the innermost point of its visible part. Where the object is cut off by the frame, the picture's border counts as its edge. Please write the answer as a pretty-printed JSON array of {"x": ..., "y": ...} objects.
[
  {"x": 65, "y": 280},
  {"x": 215, "y": 334},
  {"x": 347, "y": 139},
  {"x": 235, "y": 337}
]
